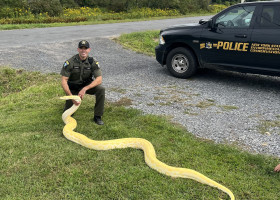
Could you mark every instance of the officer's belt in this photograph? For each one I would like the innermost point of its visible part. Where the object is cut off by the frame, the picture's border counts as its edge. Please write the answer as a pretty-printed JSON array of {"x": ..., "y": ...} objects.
[{"x": 78, "y": 86}]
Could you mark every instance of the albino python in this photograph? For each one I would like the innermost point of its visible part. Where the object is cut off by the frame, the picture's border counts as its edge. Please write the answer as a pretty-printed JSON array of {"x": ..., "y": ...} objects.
[{"x": 137, "y": 143}]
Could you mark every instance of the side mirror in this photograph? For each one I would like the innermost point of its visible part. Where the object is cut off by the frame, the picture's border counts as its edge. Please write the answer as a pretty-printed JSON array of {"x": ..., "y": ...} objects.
[{"x": 202, "y": 21}]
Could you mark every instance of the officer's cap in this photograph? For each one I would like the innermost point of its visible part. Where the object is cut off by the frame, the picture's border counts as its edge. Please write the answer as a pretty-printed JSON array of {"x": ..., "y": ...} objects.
[{"x": 83, "y": 43}]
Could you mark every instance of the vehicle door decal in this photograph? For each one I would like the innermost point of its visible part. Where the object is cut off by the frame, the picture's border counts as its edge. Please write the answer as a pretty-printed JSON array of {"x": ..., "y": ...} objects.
[
  {"x": 265, "y": 48},
  {"x": 241, "y": 46},
  {"x": 224, "y": 45}
]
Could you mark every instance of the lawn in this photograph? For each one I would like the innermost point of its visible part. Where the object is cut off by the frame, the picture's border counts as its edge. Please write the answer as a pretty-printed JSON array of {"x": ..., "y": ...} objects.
[
  {"x": 37, "y": 162},
  {"x": 141, "y": 42}
]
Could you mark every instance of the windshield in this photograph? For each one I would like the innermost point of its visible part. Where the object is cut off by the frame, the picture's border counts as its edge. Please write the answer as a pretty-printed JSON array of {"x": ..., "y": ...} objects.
[{"x": 236, "y": 17}]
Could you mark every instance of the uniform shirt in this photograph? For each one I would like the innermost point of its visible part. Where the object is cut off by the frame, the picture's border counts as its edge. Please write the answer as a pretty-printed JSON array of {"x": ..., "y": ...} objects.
[{"x": 79, "y": 71}]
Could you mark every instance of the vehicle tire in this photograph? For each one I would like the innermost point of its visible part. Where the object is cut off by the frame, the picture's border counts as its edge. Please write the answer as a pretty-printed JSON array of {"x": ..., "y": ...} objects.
[{"x": 181, "y": 62}]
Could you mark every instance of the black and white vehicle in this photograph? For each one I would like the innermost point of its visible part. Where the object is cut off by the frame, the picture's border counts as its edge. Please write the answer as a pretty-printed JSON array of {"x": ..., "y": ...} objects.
[{"x": 244, "y": 37}]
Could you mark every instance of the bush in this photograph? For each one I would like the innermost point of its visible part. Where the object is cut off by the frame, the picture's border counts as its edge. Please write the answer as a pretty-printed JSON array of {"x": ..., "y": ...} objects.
[
  {"x": 136, "y": 13},
  {"x": 52, "y": 7},
  {"x": 216, "y": 8},
  {"x": 68, "y": 3},
  {"x": 7, "y": 12},
  {"x": 86, "y": 3},
  {"x": 13, "y": 3},
  {"x": 84, "y": 11},
  {"x": 42, "y": 20}
]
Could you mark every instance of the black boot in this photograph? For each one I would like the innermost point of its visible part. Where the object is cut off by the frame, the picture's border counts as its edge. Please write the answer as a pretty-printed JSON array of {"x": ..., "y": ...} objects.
[
  {"x": 98, "y": 120},
  {"x": 67, "y": 106}
]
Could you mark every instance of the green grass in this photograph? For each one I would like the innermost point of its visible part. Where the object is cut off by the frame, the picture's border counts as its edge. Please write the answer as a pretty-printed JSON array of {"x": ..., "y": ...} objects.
[
  {"x": 92, "y": 22},
  {"x": 37, "y": 162},
  {"x": 141, "y": 42}
]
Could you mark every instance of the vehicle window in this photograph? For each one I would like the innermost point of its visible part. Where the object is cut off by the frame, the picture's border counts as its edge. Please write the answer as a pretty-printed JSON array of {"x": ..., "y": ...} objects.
[
  {"x": 238, "y": 17},
  {"x": 270, "y": 17}
]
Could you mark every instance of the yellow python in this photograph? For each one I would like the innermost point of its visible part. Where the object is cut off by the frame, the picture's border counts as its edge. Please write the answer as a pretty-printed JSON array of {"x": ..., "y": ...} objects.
[{"x": 137, "y": 143}]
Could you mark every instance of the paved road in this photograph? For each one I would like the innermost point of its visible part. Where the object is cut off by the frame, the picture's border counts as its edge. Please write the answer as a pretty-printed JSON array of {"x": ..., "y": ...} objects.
[
  {"x": 221, "y": 106},
  {"x": 43, "y": 49},
  {"x": 24, "y": 37}
]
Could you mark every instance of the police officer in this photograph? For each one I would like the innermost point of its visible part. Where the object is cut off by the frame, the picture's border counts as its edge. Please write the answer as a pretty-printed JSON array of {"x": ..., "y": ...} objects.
[{"x": 81, "y": 75}]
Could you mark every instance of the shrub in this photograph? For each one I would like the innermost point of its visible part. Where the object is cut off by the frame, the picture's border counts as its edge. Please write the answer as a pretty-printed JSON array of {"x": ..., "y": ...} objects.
[
  {"x": 13, "y": 3},
  {"x": 42, "y": 20},
  {"x": 97, "y": 14},
  {"x": 68, "y": 3},
  {"x": 52, "y": 7},
  {"x": 217, "y": 7},
  {"x": 7, "y": 12},
  {"x": 84, "y": 11},
  {"x": 86, "y": 3}
]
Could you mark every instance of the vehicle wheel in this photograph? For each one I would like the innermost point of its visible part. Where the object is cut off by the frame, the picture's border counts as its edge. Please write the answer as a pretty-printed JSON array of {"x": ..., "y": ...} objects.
[{"x": 181, "y": 62}]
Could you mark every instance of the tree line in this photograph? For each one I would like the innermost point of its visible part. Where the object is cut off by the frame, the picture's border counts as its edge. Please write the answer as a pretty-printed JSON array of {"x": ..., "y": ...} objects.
[{"x": 55, "y": 7}]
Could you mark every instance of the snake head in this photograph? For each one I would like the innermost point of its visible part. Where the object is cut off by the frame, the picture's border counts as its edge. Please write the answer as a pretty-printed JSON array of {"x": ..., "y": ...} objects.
[{"x": 73, "y": 97}]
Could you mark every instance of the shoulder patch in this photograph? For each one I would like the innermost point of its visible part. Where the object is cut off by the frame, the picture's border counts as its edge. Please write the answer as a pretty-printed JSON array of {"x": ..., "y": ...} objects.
[
  {"x": 97, "y": 63},
  {"x": 66, "y": 64}
]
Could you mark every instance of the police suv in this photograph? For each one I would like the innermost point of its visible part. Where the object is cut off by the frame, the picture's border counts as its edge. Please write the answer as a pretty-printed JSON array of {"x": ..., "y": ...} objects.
[{"x": 244, "y": 37}]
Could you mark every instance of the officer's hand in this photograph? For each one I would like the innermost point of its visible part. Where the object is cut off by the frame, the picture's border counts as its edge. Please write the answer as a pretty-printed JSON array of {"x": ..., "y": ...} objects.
[
  {"x": 277, "y": 168},
  {"x": 75, "y": 102},
  {"x": 82, "y": 93}
]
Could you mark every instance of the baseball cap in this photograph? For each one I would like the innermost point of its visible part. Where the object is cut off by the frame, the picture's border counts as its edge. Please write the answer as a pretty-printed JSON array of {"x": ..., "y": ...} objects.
[{"x": 83, "y": 43}]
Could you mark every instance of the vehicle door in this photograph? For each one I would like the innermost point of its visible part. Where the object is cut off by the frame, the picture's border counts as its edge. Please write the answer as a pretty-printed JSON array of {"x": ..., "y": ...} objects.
[
  {"x": 265, "y": 47},
  {"x": 227, "y": 41}
]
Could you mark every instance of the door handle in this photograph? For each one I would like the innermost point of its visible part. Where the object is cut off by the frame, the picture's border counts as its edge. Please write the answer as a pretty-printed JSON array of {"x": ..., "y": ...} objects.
[{"x": 241, "y": 36}]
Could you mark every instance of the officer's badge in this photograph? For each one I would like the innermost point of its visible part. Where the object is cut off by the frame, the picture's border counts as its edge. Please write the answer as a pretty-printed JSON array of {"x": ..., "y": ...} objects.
[
  {"x": 66, "y": 64},
  {"x": 83, "y": 42}
]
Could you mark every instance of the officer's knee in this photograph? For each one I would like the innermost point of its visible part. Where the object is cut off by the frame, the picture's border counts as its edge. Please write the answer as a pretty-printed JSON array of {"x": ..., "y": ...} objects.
[{"x": 100, "y": 89}]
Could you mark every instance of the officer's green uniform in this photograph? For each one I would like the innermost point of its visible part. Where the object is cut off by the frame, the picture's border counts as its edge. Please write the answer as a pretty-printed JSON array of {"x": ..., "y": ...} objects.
[{"x": 81, "y": 74}]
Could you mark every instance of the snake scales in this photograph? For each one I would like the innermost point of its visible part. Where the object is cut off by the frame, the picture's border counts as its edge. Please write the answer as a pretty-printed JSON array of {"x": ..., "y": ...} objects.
[{"x": 137, "y": 143}]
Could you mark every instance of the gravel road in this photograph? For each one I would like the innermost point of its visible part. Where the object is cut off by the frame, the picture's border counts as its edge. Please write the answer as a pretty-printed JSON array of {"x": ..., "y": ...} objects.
[{"x": 226, "y": 107}]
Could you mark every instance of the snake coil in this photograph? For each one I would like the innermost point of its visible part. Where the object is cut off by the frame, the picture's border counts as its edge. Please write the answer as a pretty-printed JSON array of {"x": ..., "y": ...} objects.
[{"x": 137, "y": 143}]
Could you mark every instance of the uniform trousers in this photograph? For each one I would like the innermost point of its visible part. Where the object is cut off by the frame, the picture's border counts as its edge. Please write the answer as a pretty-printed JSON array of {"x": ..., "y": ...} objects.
[{"x": 98, "y": 91}]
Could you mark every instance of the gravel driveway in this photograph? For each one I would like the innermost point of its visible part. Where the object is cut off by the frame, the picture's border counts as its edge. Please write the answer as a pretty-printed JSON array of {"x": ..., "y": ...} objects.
[{"x": 225, "y": 107}]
